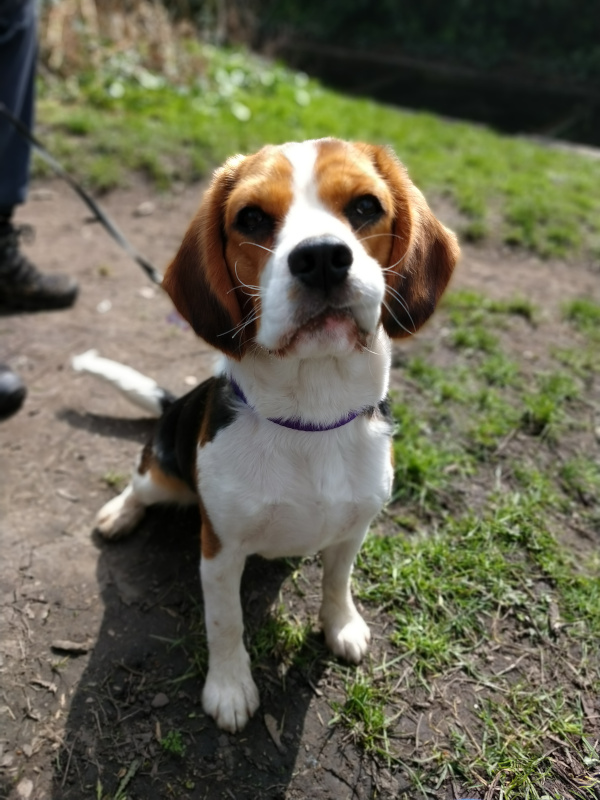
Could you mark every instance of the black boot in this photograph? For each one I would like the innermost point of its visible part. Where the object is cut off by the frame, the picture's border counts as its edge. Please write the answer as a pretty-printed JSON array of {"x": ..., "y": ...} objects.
[
  {"x": 12, "y": 392},
  {"x": 22, "y": 286}
]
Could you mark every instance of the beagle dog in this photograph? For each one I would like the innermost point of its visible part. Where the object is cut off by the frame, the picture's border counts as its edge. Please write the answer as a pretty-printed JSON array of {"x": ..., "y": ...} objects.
[{"x": 300, "y": 264}]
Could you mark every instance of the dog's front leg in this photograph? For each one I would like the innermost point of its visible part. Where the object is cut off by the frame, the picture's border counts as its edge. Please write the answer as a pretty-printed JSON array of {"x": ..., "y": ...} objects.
[
  {"x": 346, "y": 632},
  {"x": 230, "y": 695}
]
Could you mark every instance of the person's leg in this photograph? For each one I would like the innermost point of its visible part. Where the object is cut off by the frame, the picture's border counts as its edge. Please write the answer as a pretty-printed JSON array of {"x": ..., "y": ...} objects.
[
  {"x": 18, "y": 52},
  {"x": 22, "y": 287}
]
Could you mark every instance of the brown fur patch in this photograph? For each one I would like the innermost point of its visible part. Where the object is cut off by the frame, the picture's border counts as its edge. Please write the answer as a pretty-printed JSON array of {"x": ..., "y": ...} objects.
[
  {"x": 206, "y": 433},
  {"x": 423, "y": 253},
  {"x": 209, "y": 277},
  {"x": 210, "y": 544},
  {"x": 174, "y": 485},
  {"x": 197, "y": 279},
  {"x": 345, "y": 171}
]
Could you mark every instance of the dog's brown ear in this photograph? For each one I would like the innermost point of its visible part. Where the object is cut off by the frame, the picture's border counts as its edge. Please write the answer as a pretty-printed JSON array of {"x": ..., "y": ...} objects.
[
  {"x": 198, "y": 280},
  {"x": 422, "y": 255}
]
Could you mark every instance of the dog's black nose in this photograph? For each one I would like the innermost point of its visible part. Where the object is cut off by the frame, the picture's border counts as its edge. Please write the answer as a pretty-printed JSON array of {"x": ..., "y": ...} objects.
[{"x": 320, "y": 262}]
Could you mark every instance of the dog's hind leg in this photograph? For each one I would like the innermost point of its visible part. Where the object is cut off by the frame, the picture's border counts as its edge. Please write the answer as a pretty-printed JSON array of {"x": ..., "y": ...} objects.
[{"x": 149, "y": 485}]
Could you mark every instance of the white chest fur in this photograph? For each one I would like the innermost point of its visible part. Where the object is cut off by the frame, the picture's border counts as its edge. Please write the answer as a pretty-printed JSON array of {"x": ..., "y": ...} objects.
[{"x": 280, "y": 492}]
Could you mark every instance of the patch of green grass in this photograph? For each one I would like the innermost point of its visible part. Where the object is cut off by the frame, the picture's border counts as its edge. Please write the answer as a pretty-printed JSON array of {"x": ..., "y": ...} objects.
[
  {"x": 498, "y": 370},
  {"x": 173, "y": 743},
  {"x": 364, "y": 714},
  {"x": 421, "y": 466},
  {"x": 494, "y": 419},
  {"x": 545, "y": 405},
  {"x": 580, "y": 477},
  {"x": 442, "y": 385},
  {"x": 467, "y": 300},
  {"x": 584, "y": 314},
  {"x": 443, "y": 587},
  {"x": 581, "y": 361},
  {"x": 474, "y": 337},
  {"x": 116, "y": 480},
  {"x": 235, "y": 102},
  {"x": 513, "y": 750},
  {"x": 474, "y": 316},
  {"x": 446, "y": 593},
  {"x": 280, "y": 636}
]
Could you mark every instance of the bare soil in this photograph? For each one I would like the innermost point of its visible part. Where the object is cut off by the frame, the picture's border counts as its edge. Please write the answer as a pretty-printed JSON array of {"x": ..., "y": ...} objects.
[{"x": 93, "y": 637}]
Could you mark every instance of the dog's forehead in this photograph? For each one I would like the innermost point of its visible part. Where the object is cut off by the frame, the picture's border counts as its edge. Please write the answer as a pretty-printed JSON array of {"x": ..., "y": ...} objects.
[
  {"x": 325, "y": 161},
  {"x": 276, "y": 175}
]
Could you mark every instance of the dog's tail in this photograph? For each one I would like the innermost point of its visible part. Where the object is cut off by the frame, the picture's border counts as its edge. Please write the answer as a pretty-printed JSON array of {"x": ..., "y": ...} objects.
[{"x": 137, "y": 388}]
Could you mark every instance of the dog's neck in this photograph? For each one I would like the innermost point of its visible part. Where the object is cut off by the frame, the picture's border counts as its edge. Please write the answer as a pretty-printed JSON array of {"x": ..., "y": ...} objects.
[{"x": 316, "y": 391}]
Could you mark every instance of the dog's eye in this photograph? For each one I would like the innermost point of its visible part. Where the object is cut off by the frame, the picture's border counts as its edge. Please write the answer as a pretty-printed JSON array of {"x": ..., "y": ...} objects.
[
  {"x": 253, "y": 221},
  {"x": 363, "y": 210}
]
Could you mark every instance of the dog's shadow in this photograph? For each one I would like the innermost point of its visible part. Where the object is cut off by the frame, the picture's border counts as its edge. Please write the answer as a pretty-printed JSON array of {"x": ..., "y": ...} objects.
[{"x": 136, "y": 717}]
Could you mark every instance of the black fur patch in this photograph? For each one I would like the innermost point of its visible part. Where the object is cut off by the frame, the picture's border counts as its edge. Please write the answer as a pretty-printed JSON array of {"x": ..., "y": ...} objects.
[
  {"x": 176, "y": 438},
  {"x": 385, "y": 409}
]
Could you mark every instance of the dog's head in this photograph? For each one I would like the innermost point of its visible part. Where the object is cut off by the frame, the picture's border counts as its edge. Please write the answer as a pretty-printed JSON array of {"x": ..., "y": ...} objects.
[{"x": 306, "y": 248}]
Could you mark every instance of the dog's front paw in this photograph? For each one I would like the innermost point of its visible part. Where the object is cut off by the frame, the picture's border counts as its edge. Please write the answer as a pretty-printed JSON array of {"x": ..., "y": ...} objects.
[
  {"x": 346, "y": 633},
  {"x": 231, "y": 699}
]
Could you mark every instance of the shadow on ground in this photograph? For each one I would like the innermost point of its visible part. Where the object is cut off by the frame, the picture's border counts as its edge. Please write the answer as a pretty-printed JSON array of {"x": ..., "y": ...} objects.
[{"x": 136, "y": 717}]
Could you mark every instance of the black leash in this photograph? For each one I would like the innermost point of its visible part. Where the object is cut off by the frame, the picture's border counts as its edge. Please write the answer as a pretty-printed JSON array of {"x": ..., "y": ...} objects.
[{"x": 98, "y": 212}]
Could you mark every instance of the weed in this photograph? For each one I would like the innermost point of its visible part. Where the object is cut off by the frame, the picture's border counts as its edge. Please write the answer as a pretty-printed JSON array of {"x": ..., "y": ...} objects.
[
  {"x": 584, "y": 315},
  {"x": 173, "y": 743},
  {"x": 471, "y": 302},
  {"x": 581, "y": 361},
  {"x": 281, "y": 637},
  {"x": 116, "y": 480},
  {"x": 545, "y": 406},
  {"x": 494, "y": 420},
  {"x": 421, "y": 467},
  {"x": 363, "y": 713},
  {"x": 442, "y": 385},
  {"x": 475, "y": 337},
  {"x": 497, "y": 370},
  {"x": 580, "y": 477}
]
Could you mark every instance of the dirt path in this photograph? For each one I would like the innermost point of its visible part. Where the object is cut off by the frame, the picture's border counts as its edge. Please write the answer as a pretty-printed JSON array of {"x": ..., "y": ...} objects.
[{"x": 79, "y": 726}]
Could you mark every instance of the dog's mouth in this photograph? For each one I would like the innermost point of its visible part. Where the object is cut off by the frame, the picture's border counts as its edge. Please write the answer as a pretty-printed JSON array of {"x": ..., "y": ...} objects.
[
  {"x": 330, "y": 320},
  {"x": 326, "y": 327}
]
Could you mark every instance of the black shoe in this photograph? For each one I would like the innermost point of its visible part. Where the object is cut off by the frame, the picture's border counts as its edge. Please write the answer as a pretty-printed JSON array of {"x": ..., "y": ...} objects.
[
  {"x": 12, "y": 392},
  {"x": 22, "y": 286}
]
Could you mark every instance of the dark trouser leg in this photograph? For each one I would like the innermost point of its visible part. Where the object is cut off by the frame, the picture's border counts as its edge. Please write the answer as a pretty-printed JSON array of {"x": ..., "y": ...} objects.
[
  {"x": 18, "y": 51},
  {"x": 22, "y": 287}
]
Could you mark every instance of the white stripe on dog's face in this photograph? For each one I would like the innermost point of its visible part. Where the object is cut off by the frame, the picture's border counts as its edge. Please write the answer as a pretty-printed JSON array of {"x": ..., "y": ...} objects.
[{"x": 314, "y": 319}]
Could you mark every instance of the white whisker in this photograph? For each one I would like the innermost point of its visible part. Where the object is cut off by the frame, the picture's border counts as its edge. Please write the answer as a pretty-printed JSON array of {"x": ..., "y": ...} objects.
[
  {"x": 243, "y": 285},
  {"x": 250, "y": 317},
  {"x": 375, "y": 235},
  {"x": 394, "y": 265},
  {"x": 258, "y": 245},
  {"x": 396, "y": 294},
  {"x": 395, "y": 318}
]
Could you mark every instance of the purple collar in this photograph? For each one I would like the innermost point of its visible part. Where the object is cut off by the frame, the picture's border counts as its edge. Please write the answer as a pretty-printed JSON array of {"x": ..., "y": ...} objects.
[{"x": 296, "y": 424}]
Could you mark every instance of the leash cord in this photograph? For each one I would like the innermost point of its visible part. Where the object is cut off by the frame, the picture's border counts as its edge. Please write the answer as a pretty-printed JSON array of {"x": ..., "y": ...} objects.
[{"x": 98, "y": 212}]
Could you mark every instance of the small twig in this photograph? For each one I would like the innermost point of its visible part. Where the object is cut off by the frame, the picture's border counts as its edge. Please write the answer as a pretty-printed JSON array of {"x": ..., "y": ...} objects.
[{"x": 62, "y": 784}]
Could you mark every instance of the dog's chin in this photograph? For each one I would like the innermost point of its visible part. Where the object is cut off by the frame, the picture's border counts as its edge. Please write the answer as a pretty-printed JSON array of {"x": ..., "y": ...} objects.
[{"x": 333, "y": 332}]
